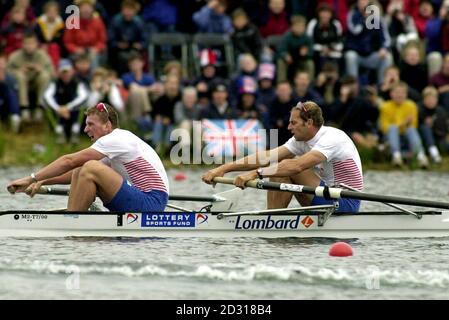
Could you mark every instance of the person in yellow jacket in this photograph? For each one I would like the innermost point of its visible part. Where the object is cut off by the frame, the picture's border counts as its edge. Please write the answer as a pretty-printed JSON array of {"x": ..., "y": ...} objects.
[{"x": 399, "y": 119}]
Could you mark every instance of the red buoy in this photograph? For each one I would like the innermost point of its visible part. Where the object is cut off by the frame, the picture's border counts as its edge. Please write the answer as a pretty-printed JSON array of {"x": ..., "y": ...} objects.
[
  {"x": 180, "y": 176},
  {"x": 340, "y": 249}
]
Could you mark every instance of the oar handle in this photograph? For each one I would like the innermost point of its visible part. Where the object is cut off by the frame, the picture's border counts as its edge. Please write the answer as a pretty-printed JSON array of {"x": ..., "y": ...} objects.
[{"x": 250, "y": 183}]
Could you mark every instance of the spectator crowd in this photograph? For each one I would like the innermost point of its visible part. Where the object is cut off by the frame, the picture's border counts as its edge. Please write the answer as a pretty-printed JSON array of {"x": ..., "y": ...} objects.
[{"x": 379, "y": 69}]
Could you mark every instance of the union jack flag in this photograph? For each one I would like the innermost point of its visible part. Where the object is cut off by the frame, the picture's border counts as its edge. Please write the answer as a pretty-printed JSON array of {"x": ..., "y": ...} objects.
[{"x": 231, "y": 138}]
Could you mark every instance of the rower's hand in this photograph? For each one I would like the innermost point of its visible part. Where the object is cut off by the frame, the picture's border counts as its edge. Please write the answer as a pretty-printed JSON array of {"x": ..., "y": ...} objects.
[
  {"x": 33, "y": 188},
  {"x": 209, "y": 176},
  {"x": 19, "y": 185},
  {"x": 242, "y": 179}
]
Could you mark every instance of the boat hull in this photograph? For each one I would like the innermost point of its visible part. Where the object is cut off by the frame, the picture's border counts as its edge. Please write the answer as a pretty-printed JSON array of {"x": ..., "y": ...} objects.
[{"x": 194, "y": 224}]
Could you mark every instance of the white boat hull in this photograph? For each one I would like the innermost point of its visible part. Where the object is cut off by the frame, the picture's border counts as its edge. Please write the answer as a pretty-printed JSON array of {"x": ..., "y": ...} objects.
[{"x": 184, "y": 224}]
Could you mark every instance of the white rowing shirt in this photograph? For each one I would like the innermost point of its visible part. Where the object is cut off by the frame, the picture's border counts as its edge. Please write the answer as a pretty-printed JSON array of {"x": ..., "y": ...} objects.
[
  {"x": 133, "y": 159},
  {"x": 342, "y": 163}
]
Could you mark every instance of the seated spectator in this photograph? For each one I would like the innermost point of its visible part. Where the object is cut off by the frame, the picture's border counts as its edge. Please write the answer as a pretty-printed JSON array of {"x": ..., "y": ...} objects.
[
  {"x": 219, "y": 107},
  {"x": 12, "y": 34},
  {"x": 435, "y": 40},
  {"x": 246, "y": 106},
  {"x": 208, "y": 77},
  {"x": 366, "y": 46},
  {"x": 33, "y": 71},
  {"x": 297, "y": 49},
  {"x": 49, "y": 29},
  {"x": 160, "y": 16},
  {"x": 186, "y": 113},
  {"x": 64, "y": 98},
  {"x": 441, "y": 82},
  {"x": 126, "y": 36},
  {"x": 340, "y": 9},
  {"x": 391, "y": 78},
  {"x": 104, "y": 90},
  {"x": 326, "y": 34},
  {"x": 399, "y": 119},
  {"x": 412, "y": 70},
  {"x": 83, "y": 68},
  {"x": 9, "y": 104},
  {"x": 212, "y": 18},
  {"x": 90, "y": 37},
  {"x": 140, "y": 85},
  {"x": 357, "y": 114},
  {"x": 276, "y": 21},
  {"x": 421, "y": 16},
  {"x": 266, "y": 92},
  {"x": 327, "y": 85},
  {"x": 247, "y": 68},
  {"x": 163, "y": 114},
  {"x": 30, "y": 16},
  {"x": 246, "y": 37},
  {"x": 280, "y": 112},
  {"x": 303, "y": 90},
  {"x": 433, "y": 123},
  {"x": 401, "y": 27}
]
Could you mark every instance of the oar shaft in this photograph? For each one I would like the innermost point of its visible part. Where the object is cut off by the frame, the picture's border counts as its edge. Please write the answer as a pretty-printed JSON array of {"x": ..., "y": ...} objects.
[
  {"x": 173, "y": 197},
  {"x": 336, "y": 193}
]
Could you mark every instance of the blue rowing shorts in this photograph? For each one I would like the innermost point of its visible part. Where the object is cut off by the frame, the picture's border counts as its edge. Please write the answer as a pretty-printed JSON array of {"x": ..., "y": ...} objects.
[
  {"x": 344, "y": 205},
  {"x": 131, "y": 199}
]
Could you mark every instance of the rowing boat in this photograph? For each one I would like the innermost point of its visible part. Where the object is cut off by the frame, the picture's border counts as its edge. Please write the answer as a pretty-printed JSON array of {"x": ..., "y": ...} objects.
[
  {"x": 307, "y": 223},
  {"x": 218, "y": 220}
]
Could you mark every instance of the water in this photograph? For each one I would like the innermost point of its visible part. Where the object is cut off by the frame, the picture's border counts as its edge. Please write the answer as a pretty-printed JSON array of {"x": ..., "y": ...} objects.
[{"x": 238, "y": 268}]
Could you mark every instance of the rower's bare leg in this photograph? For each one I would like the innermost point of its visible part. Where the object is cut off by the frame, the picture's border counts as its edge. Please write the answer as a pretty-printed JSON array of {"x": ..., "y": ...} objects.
[
  {"x": 94, "y": 179},
  {"x": 277, "y": 199},
  {"x": 73, "y": 185}
]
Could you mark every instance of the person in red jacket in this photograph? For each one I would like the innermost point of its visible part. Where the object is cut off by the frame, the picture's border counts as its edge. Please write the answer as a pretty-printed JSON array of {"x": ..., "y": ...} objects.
[{"x": 90, "y": 38}]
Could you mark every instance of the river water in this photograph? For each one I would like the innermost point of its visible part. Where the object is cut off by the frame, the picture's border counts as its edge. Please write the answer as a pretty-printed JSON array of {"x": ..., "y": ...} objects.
[{"x": 238, "y": 268}]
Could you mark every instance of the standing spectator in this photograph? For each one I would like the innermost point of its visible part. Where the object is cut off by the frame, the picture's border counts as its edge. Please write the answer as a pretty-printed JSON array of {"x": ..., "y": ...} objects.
[
  {"x": 49, "y": 29},
  {"x": 340, "y": 9},
  {"x": 246, "y": 37},
  {"x": 433, "y": 123},
  {"x": 326, "y": 34},
  {"x": 64, "y": 97},
  {"x": 276, "y": 21},
  {"x": 212, "y": 18},
  {"x": 365, "y": 46},
  {"x": 421, "y": 16},
  {"x": 90, "y": 38},
  {"x": 126, "y": 36},
  {"x": 297, "y": 49},
  {"x": 33, "y": 71},
  {"x": 399, "y": 119},
  {"x": 435, "y": 40},
  {"x": 9, "y": 104}
]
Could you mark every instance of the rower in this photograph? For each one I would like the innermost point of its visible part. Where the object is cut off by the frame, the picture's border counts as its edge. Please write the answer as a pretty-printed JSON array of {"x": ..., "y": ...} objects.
[
  {"x": 316, "y": 155},
  {"x": 123, "y": 170}
]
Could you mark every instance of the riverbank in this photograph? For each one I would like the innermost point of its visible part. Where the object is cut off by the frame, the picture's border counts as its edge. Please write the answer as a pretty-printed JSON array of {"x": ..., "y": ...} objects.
[{"x": 36, "y": 145}]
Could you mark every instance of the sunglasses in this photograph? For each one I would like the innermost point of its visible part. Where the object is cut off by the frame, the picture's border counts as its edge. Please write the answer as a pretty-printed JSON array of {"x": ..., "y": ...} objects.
[{"x": 102, "y": 108}]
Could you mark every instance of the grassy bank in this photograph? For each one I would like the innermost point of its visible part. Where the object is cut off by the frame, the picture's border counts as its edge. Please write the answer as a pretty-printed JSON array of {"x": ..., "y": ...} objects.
[{"x": 36, "y": 145}]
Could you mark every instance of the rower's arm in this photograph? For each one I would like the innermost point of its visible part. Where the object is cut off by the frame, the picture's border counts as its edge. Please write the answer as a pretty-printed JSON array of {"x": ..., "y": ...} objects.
[
  {"x": 65, "y": 178},
  {"x": 64, "y": 164},
  {"x": 258, "y": 159},
  {"x": 289, "y": 167}
]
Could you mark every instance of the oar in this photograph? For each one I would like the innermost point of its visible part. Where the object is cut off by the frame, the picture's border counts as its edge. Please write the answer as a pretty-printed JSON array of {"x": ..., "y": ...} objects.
[
  {"x": 176, "y": 197},
  {"x": 335, "y": 193}
]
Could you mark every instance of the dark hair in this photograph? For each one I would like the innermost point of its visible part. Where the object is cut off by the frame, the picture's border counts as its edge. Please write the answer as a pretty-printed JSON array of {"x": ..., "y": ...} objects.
[
  {"x": 105, "y": 112},
  {"x": 310, "y": 110}
]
